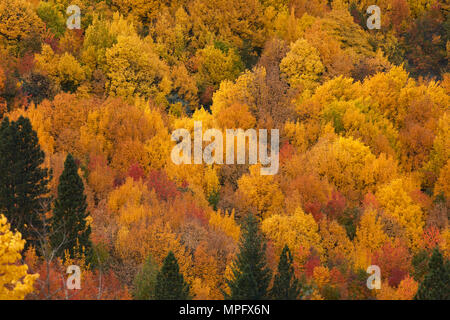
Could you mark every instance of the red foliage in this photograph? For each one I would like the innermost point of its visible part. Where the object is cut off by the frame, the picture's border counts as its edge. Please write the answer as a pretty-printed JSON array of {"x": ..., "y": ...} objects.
[
  {"x": 136, "y": 172},
  {"x": 431, "y": 237},
  {"x": 336, "y": 205},
  {"x": 164, "y": 187},
  {"x": 370, "y": 201},
  {"x": 314, "y": 208},
  {"x": 196, "y": 213},
  {"x": 394, "y": 261},
  {"x": 286, "y": 152},
  {"x": 312, "y": 262}
]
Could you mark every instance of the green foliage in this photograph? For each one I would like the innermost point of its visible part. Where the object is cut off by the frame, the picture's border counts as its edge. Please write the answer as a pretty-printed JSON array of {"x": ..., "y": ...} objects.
[
  {"x": 53, "y": 18},
  {"x": 145, "y": 281},
  {"x": 436, "y": 284},
  {"x": 250, "y": 274},
  {"x": 285, "y": 285},
  {"x": 70, "y": 231},
  {"x": 170, "y": 284},
  {"x": 23, "y": 180}
]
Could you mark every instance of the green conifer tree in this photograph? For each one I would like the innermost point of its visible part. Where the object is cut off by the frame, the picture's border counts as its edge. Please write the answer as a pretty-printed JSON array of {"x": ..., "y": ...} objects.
[
  {"x": 436, "y": 284},
  {"x": 145, "y": 281},
  {"x": 250, "y": 274},
  {"x": 69, "y": 230},
  {"x": 23, "y": 180},
  {"x": 170, "y": 284},
  {"x": 285, "y": 286}
]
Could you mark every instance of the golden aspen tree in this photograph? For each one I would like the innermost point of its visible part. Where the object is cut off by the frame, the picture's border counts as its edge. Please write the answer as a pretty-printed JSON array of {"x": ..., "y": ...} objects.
[
  {"x": 15, "y": 282},
  {"x": 299, "y": 229},
  {"x": 302, "y": 65},
  {"x": 395, "y": 200},
  {"x": 261, "y": 193},
  {"x": 226, "y": 223}
]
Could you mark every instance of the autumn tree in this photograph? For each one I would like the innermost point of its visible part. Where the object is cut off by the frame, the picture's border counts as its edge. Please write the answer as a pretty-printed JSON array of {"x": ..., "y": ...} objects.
[
  {"x": 15, "y": 282},
  {"x": 250, "y": 274},
  {"x": 170, "y": 284},
  {"x": 302, "y": 65},
  {"x": 70, "y": 228},
  {"x": 285, "y": 285},
  {"x": 20, "y": 27},
  {"x": 24, "y": 180},
  {"x": 145, "y": 281},
  {"x": 435, "y": 285}
]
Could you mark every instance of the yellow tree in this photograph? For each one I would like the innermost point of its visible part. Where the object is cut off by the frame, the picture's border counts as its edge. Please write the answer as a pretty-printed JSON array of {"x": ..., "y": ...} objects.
[
  {"x": 351, "y": 166},
  {"x": 18, "y": 22},
  {"x": 370, "y": 236},
  {"x": 302, "y": 65},
  {"x": 15, "y": 282},
  {"x": 295, "y": 231},
  {"x": 226, "y": 223},
  {"x": 134, "y": 69},
  {"x": 334, "y": 240},
  {"x": 261, "y": 193},
  {"x": 394, "y": 198}
]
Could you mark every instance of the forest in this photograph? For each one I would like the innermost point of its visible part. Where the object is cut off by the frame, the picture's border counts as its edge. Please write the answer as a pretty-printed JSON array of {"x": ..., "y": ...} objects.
[{"x": 89, "y": 100}]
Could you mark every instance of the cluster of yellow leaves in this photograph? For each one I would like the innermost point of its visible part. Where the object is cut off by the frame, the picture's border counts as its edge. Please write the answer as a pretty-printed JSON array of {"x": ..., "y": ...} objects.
[
  {"x": 261, "y": 193},
  {"x": 370, "y": 236},
  {"x": 295, "y": 231},
  {"x": 15, "y": 282},
  {"x": 351, "y": 166},
  {"x": 302, "y": 65},
  {"x": 225, "y": 223},
  {"x": 406, "y": 290},
  {"x": 398, "y": 205}
]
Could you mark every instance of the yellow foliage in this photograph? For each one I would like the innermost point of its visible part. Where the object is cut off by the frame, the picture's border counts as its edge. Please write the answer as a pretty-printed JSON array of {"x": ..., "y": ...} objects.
[
  {"x": 15, "y": 282},
  {"x": 295, "y": 231},
  {"x": 321, "y": 276},
  {"x": 334, "y": 240},
  {"x": 398, "y": 205},
  {"x": 261, "y": 192},
  {"x": 351, "y": 167},
  {"x": 302, "y": 65},
  {"x": 225, "y": 223},
  {"x": 370, "y": 237}
]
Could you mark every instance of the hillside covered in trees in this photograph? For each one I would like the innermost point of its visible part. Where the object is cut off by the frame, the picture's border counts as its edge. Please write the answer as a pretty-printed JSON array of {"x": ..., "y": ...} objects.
[{"x": 86, "y": 176}]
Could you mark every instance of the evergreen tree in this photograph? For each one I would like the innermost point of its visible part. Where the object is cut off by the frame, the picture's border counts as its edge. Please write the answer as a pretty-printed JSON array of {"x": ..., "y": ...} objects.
[
  {"x": 436, "y": 284},
  {"x": 285, "y": 285},
  {"x": 170, "y": 284},
  {"x": 145, "y": 281},
  {"x": 250, "y": 274},
  {"x": 23, "y": 181},
  {"x": 69, "y": 229}
]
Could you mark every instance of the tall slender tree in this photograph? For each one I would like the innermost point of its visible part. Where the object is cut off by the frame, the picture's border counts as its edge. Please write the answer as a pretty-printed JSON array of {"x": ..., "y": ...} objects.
[
  {"x": 70, "y": 231},
  {"x": 170, "y": 284},
  {"x": 23, "y": 180},
  {"x": 145, "y": 280},
  {"x": 285, "y": 286},
  {"x": 250, "y": 274},
  {"x": 436, "y": 284}
]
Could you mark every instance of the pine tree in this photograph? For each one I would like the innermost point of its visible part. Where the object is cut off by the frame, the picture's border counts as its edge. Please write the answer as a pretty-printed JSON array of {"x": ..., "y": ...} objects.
[
  {"x": 250, "y": 274},
  {"x": 145, "y": 281},
  {"x": 70, "y": 231},
  {"x": 285, "y": 285},
  {"x": 170, "y": 284},
  {"x": 23, "y": 181},
  {"x": 436, "y": 284}
]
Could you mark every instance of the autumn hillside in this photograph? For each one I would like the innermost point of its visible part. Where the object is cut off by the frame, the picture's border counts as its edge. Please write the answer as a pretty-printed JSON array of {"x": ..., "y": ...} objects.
[{"x": 86, "y": 175}]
